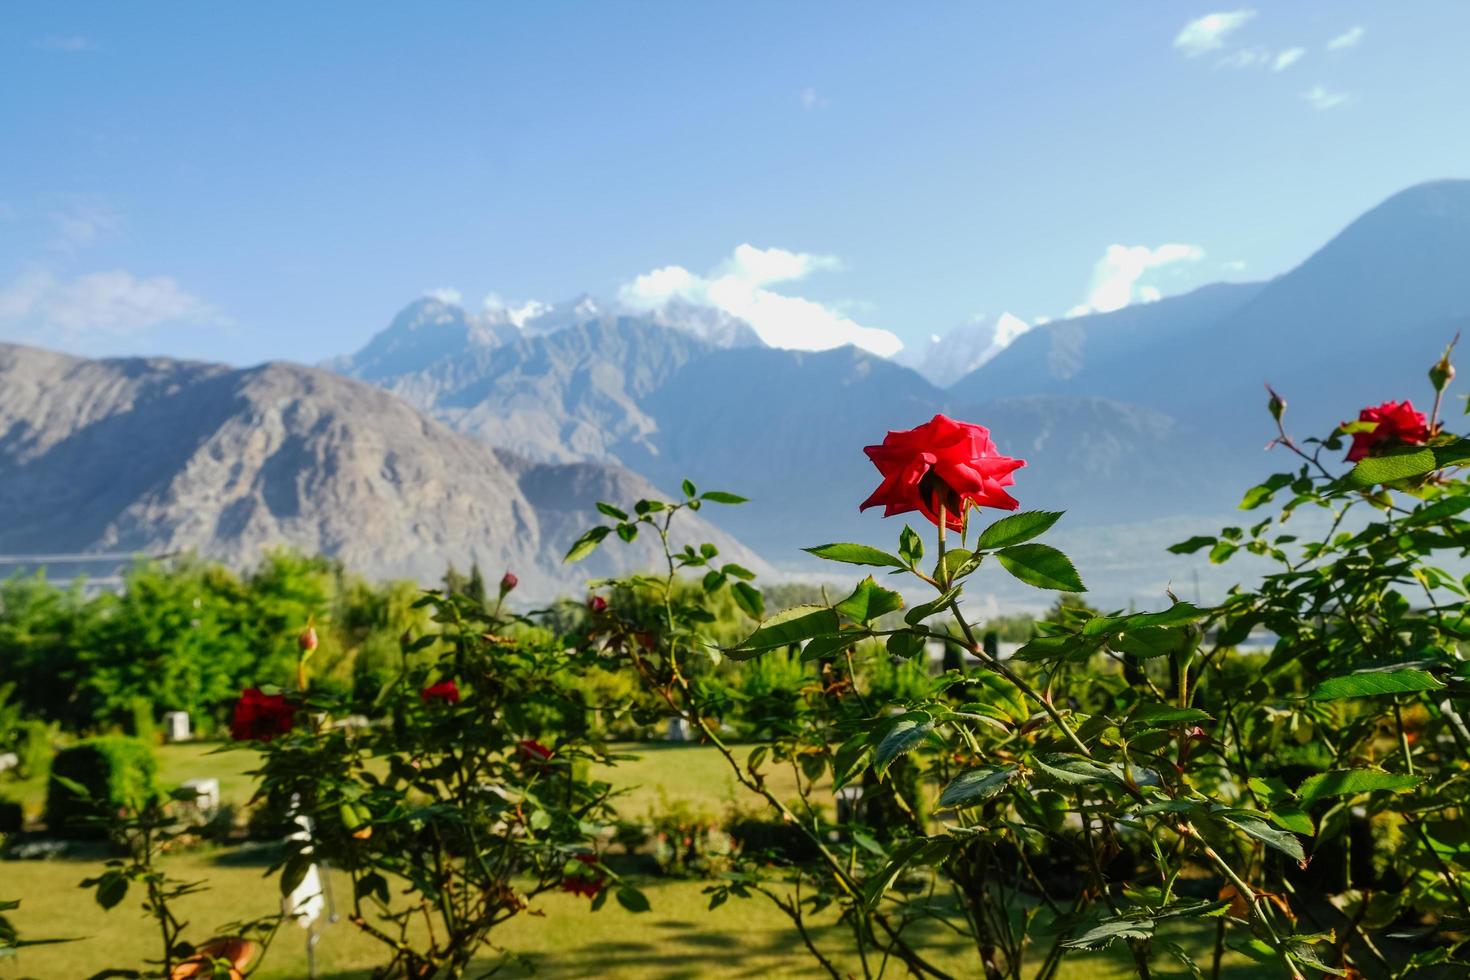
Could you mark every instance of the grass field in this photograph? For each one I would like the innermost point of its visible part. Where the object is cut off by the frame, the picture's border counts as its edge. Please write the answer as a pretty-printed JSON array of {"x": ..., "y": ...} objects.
[{"x": 679, "y": 938}]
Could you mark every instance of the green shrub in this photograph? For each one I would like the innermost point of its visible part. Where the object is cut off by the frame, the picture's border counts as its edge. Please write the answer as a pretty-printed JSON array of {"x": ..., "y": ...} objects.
[
  {"x": 117, "y": 773},
  {"x": 34, "y": 743}
]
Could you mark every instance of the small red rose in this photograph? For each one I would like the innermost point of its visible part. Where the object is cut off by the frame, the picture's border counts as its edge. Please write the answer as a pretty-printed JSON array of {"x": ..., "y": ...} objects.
[
  {"x": 587, "y": 884},
  {"x": 533, "y": 751},
  {"x": 307, "y": 641},
  {"x": 1395, "y": 424},
  {"x": 261, "y": 717},
  {"x": 444, "y": 692},
  {"x": 597, "y": 604},
  {"x": 941, "y": 463},
  {"x": 508, "y": 581}
]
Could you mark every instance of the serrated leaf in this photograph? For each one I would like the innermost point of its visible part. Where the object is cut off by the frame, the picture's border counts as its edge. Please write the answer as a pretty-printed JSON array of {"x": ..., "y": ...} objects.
[
  {"x": 907, "y": 732},
  {"x": 1273, "y": 837},
  {"x": 1350, "y": 782},
  {"x": 1102, "y": 935},
  {"x": 1392, "y": 467},
  {"x": 1016, "y": 528},
  {"x": 924, "y": 610},
  {"x": 856, "y": 554},
  {"x": 869, "y": 601},
  {"x": 749, "y": 599},
  {"x": 1042, "y": 566},
  {"x": 905, "y": 645},
  {"x": 910, "y": 545},
  {"x": 586, "y": 544},
  {"x": 1191, "y": 545},
  {"x": 786, "y": 628},
  {"x": 976, "y": 786},
  {"x": 1153, "y": 714},
  {"x": 1374, "y": 682},
  {"x": 1262, "y": 493},
  {"x": 1075, "y": 770},
  {"x": 875, "y": 887},
  {"x": 824, "y": 646}
]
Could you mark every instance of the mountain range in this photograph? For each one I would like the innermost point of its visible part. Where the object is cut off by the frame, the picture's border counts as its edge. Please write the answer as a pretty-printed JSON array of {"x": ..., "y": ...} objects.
[{"x": 451, "y": 434}]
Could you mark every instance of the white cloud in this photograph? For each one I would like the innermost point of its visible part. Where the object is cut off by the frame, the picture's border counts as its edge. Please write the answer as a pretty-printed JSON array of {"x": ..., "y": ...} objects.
[
  {"x": 447, "y": 295},
  {"x": 517, "y": 314},
  {"x": 1347, "y": 39},
  {"x": 1287, "y": 58},
  {"x": 739, "y": 286},
  {"x": 1234, "y": 265},
  {"x": 1247, "y": 58},
  {"x": 73, "y": 44},
  {"x": 114, "y": 303},
  {"x": 1320, "y": 98},
  {"x": 1116, "y": 277},
  {"x": 1208, "y": 33},
  {"x": 811, "y": 99},
  {"x": 83, "y": 222}
]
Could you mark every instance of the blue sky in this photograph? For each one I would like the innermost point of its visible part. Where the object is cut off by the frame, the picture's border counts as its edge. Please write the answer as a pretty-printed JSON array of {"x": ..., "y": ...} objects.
[{"x": 251, "y": 181}]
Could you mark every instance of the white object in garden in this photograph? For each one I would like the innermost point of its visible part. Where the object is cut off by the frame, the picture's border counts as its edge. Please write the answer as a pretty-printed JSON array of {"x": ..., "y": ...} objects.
[
  {"x": 176, "y": 727},
  {"x": 678, "y": 730},
  {"x": 8, "y": 760},
  {"x": 206, "y": 794},
  {"x": 308, "y": 900}
]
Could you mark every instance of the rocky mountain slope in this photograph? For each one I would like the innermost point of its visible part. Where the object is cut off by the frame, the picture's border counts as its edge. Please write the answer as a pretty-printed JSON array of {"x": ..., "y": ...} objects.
[{"x": 157, "y": 455}]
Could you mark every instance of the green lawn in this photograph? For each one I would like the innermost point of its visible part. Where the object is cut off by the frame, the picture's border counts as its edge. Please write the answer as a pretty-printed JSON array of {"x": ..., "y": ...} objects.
[{"x": 678, "y": 938}]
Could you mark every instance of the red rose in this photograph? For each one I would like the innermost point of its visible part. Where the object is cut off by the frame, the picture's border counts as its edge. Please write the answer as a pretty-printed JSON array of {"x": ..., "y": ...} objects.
[
  {"x": 261, "y": 717},
  {"x": 597, "y": 604},
  {"x": 307, "y": 641},
  {"x": 445, "y": 692},
  {"x": 1396, "y": 424},
  {"x": 533, "y": 751},
  {"x": 589, "y": 883},
  {"x": 941, "y": 462},
  {"x": 508, "y": 581}
]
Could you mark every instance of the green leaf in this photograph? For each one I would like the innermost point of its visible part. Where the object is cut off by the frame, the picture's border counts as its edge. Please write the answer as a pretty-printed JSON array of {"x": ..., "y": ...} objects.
[
  {"x": 976, "y": 786},
  {"x": 1016, "y": 528},
  {"x": 875, "y": 887},
  {"x": 1192, "y": 545},
  {"x": 869, "y": 601},
  {"x": 737, "y": 571},
  {"x": 1101, "y": 936},
  {"x": 924, "y": 610},
  {"x": 1262, "y": 493},
  {"x": 1075, "y": 770},
  {"x": 632, "y": 899},
  {"x": 905, "y": 645},
  {"x": 907, "y": 732},
  {"x": 1350, "y": 782},
  {"x": 910, "y": 545},
  {"x": 587, "y": 544},
  {"x": 749, "y": 599},
  {"x": 957, "y": 563},
  {"x": 1373, "y": 682},
  {"x": 855, "y": 554},
  {"x": 787, "y": 628},
  {"x": 1042, "y": 566},
  {"x": 1155, "y": 715},
  {"x": 721, "y": 497},
  {"x": 610, "y": 511},
  {"x": 825, "y": 646},
  {"x": 1392, "y": 468},
  {"x": 111, "y": 889},
  {"x": 1273, "y": 837}
]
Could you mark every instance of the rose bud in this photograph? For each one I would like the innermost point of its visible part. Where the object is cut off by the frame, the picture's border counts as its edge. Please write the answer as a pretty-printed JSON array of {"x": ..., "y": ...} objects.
[
  {"x": 307, "y": 641},
  {"x": 597, "y": 604},
  {"x": 1276, "y": 405},
  {"x": 508, "y": 582}
]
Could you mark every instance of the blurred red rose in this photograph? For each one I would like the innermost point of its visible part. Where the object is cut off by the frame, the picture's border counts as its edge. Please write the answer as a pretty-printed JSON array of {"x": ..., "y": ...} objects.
[
  {"x": 533, "y": 751},
  {"x": 307, "y": 641},
  {"x": 588, "y": 883},
  {"x": 597, "y": 604},
  {"x": 942, "y": 462},
  {"x": 446, "y": 692},
  {"x": 1396, "y": 424},
  {"x": 261, "y": 717},
  {"x": 508, "y": 581}
]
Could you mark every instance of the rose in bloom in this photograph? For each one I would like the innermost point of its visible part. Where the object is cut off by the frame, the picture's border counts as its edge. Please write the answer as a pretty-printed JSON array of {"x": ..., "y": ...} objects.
[
  {"x": 445, "y": 692},
  {"x": 597, "y": 604},
  {"x": 261, "y": 717},
  {"x": 941, "y": 463},
  {"x": 586, "y": 883},
  {"x": 533, "y": 751},
  {"x": 1395, "y": 424}
]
